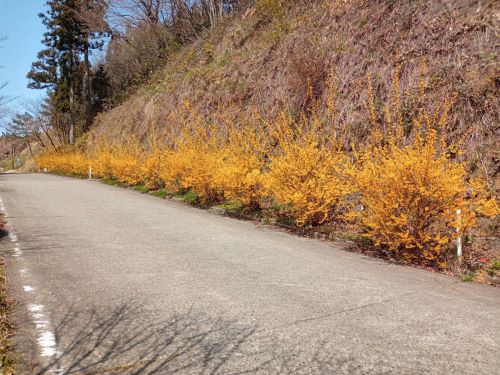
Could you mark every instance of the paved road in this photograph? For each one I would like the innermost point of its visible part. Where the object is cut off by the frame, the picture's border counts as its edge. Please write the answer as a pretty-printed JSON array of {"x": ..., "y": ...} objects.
[{"x": 112, "y": 281}]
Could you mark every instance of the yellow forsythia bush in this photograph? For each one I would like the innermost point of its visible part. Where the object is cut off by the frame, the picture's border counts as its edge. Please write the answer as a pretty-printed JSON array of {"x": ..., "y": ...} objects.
[
  {"x": 306, "y": 173},
  {"x": 100, "y": 159},
  {"x": 409, "y": 188},
  {"x": 192, "y": 164},
  {"x": 122, "y": 163},
  {"x": 64, "y": 162},
  {"x": 411, "y": 193},
  {"x": 126, "y": 164},
  {"x": 152, "y": 167},
  {"x": 153, "y": 163},
  {"x": 239, "y": 171}
]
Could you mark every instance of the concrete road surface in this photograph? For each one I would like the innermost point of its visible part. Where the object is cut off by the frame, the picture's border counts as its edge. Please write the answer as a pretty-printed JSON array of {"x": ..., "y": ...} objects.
[{"x": 112, "y": 281}]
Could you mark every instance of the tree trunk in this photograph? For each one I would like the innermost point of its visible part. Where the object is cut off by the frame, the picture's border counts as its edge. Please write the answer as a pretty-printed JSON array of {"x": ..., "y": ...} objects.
[
  {"x": 40, "y": 140},
  {"x": 71, "y": 114},
  {"x": 71, "y": 101},
  {"x": 221, "y": 9},
  {"x": 215, "y": 11},
  {"x": 211, "y": 12},
  {"x": 88, "y": 88},
  {"x": 46, "y": 132},
  {"x": 31, "y": 151}
]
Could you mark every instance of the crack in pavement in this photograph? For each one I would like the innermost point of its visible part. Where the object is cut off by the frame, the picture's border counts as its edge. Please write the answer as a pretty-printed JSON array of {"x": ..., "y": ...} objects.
[{"x": 325, "y": 316}]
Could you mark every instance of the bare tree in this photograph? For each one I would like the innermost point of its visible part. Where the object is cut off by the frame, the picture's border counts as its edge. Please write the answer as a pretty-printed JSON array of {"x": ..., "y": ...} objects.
[
  {"x": 146, "y": 32},
  {"x": 3, "y": 101},
  {"x": 37, "y": 123},
  {"x": 214, "y": 10},
  {"x": 124, "y": 14},
  {"x": 3, "y": 98}
]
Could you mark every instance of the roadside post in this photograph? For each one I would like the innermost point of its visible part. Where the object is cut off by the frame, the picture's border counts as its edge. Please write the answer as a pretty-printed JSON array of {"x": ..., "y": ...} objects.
[{"x": 459, "y": 238}]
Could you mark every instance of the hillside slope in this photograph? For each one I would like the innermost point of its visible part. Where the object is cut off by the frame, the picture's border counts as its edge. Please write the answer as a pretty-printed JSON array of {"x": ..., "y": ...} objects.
[{"x": 268, "y": 57}]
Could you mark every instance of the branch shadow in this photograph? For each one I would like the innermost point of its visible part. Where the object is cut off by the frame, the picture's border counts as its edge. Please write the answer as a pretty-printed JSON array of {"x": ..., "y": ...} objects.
[
  {"x": 130, "y": 339},
  {"x": 123, "y": 340}
]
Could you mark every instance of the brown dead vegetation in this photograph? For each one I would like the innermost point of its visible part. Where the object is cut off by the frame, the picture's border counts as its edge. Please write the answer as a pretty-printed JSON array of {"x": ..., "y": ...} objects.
[{"x": 255, "y": 63}]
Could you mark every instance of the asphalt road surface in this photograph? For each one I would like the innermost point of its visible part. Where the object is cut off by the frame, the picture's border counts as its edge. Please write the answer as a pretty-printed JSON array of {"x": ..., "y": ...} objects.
[{"x": 112, "y": 281}]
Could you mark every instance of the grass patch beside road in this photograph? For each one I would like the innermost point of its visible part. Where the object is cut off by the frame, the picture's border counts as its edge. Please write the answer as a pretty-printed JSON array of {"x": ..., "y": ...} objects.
[
  {"x": 141, "y": 189},
  {"x": 7, "y": 357},
  {"x": 161, "y": 193}
]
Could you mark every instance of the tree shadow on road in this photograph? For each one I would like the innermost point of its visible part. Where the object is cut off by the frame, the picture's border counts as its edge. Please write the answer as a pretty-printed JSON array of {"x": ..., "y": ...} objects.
[
  {"x": 123, "y": 340},
  {"x": 129, "y": 339}
]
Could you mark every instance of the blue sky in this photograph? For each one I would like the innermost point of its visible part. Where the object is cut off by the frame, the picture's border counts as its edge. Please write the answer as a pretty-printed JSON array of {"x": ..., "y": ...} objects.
[{"x": 19, "y": 22}]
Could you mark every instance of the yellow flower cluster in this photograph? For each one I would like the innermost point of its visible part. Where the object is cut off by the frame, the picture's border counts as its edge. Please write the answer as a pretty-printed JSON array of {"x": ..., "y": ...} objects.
[
  {"x": 411, "y": 195},
  {"x": 64, "y": 162},
  {"x": 308, "y": 171},
  {"x": 415, "y": 198}
]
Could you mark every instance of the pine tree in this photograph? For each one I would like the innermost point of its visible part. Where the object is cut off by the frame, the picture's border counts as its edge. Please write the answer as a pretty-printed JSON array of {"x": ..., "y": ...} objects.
[{"x": 59, "y": 69}]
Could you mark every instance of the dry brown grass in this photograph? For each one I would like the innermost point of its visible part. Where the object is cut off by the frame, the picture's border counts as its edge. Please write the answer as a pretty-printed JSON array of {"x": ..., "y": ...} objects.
[
  {"x": 7, "y": 358},
  {"x": 253, "y": 63}
]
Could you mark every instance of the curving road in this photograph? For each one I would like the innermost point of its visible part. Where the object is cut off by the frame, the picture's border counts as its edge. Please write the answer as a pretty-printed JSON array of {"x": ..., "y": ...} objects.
[{"x": 112, "y": 281}]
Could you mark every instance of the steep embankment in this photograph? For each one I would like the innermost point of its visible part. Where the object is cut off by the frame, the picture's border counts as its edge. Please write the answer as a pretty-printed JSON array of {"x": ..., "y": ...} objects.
[{"x": 266, "y": 57}]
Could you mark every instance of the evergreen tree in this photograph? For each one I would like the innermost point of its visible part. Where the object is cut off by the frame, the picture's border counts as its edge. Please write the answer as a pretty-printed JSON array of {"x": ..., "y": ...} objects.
[{"x": 60, "y": 69}]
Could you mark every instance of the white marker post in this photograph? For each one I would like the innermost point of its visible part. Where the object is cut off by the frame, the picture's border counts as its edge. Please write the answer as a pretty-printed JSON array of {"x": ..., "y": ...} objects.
[
  {"x": 459, "y": 238},
  {"x": 90, "y": 172}
]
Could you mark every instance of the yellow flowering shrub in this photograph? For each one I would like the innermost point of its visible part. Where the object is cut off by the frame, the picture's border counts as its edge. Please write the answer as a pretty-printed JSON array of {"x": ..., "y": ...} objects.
[
  {"x": 239, "y": 171},
  {"x": 64, "y": 162},
  {"x": 307, "y": 173},
  {"x": 100, "y": 159},
  {"x": 410, "y": 188},
  {"x": 126, "y": 164},
  {"x": 411, "y": 194},
  {"x": 152, "y": 167},
  {"x": 190, "y": 165},
  {"x": 122, "y": 163}
]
